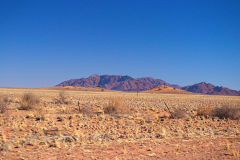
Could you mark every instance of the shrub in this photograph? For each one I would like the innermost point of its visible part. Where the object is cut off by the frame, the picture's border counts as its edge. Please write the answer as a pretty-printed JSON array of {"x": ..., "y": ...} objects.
[
  {"x": 3, "y": 104},
  {"x": 115, "y": 106},
  {"x": 29, "y": 101},
  {"x": 178, "y": 113},
  {"x": 227, "y": 112},
  {"x": 205, "y": 111},
  {"x": 62, "y": 98}
]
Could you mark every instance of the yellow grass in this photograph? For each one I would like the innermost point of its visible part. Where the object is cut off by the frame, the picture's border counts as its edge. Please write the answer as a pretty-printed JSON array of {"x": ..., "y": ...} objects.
[{"x": 61, "y": 125}]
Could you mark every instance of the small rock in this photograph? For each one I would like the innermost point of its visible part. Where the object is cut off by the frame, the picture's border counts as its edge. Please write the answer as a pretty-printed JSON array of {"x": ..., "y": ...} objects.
[
  {"x": 68, "y": 139},
  {"x": 59, "y": 119},
  {"x": 160, "y": 135},
  {"x": 38, "y": 118}
]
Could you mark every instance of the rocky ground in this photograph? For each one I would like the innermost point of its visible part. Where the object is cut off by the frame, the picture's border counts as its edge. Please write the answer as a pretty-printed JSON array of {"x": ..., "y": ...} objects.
[{"x": 76, "y": 125}]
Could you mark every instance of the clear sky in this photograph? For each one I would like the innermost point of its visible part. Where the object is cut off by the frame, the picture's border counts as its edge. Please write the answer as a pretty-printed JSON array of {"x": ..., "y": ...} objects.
[{"x": 44, "y": 42}]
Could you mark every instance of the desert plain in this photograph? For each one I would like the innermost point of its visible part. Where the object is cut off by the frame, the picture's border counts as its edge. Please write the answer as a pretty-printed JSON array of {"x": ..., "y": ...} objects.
[{"x": 93, "y": 123}]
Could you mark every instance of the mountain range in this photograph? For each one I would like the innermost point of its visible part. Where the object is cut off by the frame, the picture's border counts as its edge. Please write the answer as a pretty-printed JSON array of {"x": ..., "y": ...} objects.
[
  {"x": 127, "y": 83},
  {"x": 207, "y": 88}
]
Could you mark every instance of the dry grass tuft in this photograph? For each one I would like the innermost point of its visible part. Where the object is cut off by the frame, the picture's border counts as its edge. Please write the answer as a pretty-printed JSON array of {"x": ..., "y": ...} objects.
[
  {"x": 3, "y": 104},
  {"x": 62, "y": 98},
  {"x": 178, "y": 113},
  {"x": 227, "y": 111},
  {"x": 205, "y": 111},
  {"x": 29, "y": 101},
  {"x": 115, "y": 105}
]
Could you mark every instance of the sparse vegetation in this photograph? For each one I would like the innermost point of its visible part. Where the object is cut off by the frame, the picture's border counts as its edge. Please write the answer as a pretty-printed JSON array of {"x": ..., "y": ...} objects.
[
  {"x": 178, "y": 113},
  {"x": 62, "y": 97},
  {"x": 205, "y": 111},
  {"x": 3, "y": 103},
  {"x": 29, "y": 101},
  {"x": 96, "y": 118},
  {"x": 227, "y": 111},
  {"x": 115, "y": 105}
]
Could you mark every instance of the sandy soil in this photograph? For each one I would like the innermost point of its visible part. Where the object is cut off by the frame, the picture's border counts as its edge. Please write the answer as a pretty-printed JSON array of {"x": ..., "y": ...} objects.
[{"x": 80, "y": 129}]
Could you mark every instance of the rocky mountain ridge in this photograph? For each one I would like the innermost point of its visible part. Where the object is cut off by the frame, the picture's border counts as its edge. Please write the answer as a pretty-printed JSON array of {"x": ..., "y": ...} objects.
[{"x": 127, "y": 83}]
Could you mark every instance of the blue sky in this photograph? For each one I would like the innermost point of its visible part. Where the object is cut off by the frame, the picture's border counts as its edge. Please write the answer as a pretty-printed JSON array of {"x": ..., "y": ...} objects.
[{"x": 43, "y": 43}]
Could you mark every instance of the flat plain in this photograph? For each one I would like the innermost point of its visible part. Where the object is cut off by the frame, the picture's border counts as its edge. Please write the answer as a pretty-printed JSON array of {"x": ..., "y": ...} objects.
[{"x": 78, "y": 124}]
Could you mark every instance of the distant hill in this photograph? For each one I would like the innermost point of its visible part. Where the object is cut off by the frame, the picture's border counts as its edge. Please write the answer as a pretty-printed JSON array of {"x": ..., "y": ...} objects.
[
  {"x": 117, "y": 82},
  {"x": 127, "y": 83},
  {"x": 207, "y": 88},
  {"x": 167, "y": 89}
]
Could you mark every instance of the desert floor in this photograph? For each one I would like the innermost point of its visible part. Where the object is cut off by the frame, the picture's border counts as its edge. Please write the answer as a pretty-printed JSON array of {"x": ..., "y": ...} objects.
[{"x": 76, "y": 125}]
